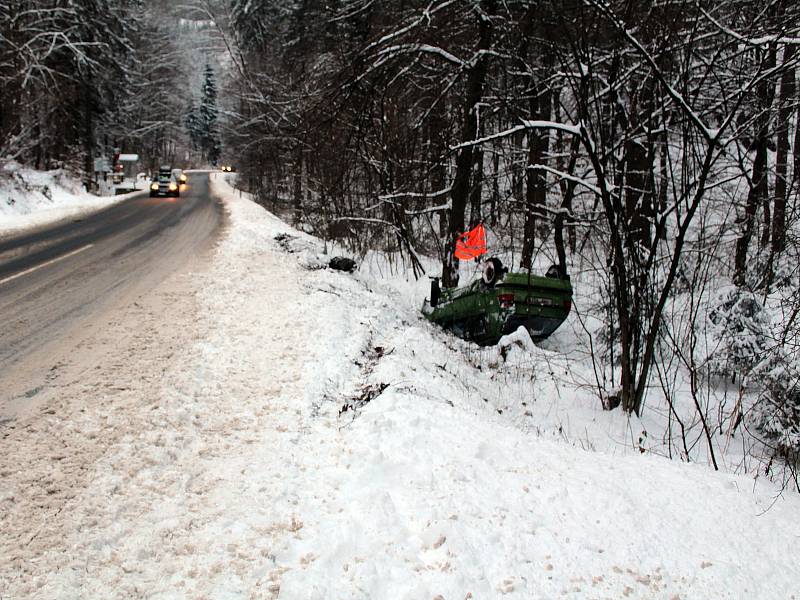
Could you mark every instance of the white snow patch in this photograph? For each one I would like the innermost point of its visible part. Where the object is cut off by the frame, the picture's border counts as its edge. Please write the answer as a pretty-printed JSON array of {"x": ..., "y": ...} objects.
[{"x": 31, "y": 198}]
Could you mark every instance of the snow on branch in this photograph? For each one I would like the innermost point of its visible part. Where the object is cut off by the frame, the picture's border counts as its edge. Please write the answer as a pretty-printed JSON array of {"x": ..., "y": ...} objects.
[
  {"x": 356, "y": 11},
  {"x": 423, "y": 18},
  {"x": 391, "y": 199},
  {"x": 443, "y": 192},
  {"x": 429, "y": 210},
  {"x": 759, "y": 41},
  {"x": 425, "y": 48},
  {"x": 568, "y": 177},
  {"x": 572, "y": 129}
]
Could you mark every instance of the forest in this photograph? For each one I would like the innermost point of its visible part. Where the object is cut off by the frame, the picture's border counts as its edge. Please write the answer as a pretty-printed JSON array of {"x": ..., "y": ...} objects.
[
  {"x": 79, "y": 79},
  {"x": 651, "y": 149}
]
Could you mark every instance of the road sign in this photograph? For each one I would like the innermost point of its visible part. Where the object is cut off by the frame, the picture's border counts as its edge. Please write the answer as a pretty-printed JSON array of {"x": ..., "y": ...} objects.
[{"x": 102, "y": 165}]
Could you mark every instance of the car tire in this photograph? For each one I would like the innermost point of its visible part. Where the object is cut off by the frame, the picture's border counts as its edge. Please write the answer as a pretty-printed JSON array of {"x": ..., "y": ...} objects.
[{"x": 492, "y": 272}]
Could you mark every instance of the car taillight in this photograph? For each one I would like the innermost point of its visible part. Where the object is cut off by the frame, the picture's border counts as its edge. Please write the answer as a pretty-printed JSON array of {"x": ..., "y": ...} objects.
[
  {"x": 154, "y": 186},
  {"x": 506, "y": 300}
]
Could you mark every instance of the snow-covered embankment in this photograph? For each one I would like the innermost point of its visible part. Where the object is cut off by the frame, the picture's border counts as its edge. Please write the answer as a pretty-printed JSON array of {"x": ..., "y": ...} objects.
[
  {"x": 317, "y": 439},
  {"x": 31, "y": 198}
]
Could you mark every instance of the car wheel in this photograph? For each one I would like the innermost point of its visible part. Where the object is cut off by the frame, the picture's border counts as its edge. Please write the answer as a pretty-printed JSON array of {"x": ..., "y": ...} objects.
[{"x": 492, "y": 271}]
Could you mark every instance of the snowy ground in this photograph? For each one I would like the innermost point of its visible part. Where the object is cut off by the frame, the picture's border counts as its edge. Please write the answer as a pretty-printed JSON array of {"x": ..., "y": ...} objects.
[
  {"x": 30, "y": 198},
  {"x": 278, "y": 430}
]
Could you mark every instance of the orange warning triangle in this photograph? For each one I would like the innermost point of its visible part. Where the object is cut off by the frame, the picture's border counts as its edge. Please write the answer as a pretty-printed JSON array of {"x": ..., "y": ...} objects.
[{"x": 471, "y": 244}]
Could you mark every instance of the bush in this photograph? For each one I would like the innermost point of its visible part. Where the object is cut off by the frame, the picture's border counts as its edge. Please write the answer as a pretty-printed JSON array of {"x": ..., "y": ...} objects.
[
  {"x": 777, "y": 411},
  {"x": 741, "y": 343},
  {"x": 739, "y": 334}
]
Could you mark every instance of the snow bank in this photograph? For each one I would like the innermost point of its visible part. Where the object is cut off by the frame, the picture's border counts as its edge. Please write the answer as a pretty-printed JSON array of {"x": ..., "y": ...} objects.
[
  {"x": 30, "y": 198},
  {"x": 425, "y": 489},
  {"x": 312, "y": 436}
]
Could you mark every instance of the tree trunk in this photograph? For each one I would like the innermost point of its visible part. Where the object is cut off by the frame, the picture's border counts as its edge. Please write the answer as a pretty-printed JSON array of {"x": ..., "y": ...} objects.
[
  {"x": 796, "y": 152},
  {"x": 476, "y": 79},
  {"x": 748, "y": 219},
  {"x": 297, "y": 191},
  {"x": 437, "y": 145},
  {"x": 88, "y": 138},
  {"x": 517, "y": 174},
  {"x": 758, "y": 184},
  {"x": 495, "y": 198},
  {"x": 788, "y": 85},
  {"x": 565, "y": 214},
  {"x": 535, "y": 179},
  {"x": 476, "y": 193},
  {"x": 763, "y": 193},
  {"x": 639, "y": 205},
  {"x": 663, "y": 174}
]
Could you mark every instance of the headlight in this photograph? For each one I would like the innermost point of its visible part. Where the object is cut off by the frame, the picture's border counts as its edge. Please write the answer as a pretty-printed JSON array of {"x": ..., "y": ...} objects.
[
  {"x": 183, "y": 178},
  {"x": 172, "y": 187},
  {"x": 154, "y": 186}
]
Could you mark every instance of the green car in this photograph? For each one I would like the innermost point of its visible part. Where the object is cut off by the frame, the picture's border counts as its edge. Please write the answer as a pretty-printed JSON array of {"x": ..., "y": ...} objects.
[{"x": 500, "y": 302}]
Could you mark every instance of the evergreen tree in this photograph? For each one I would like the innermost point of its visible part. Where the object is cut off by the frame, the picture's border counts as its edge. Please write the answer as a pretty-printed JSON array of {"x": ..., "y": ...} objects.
[
  {"x": 192, "y": 123},
  {"x": 207, "y": 116}
]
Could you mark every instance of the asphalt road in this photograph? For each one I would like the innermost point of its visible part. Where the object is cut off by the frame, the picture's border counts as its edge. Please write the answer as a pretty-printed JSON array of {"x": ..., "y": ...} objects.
[{"x": 58, "y": 283}]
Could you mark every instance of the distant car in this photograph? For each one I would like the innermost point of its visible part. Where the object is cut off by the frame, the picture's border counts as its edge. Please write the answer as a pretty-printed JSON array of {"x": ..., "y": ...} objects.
[
  {"x": 228, "y": 169},
  {"x": 165, "y": 183},
  {"x": 180, "y": 176}
]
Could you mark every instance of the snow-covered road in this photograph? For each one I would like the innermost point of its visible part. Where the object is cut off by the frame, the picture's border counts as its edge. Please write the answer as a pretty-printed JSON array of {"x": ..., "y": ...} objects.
[
  {"x": 59, "y": 285},
  {"x": 208, "y": 457}
]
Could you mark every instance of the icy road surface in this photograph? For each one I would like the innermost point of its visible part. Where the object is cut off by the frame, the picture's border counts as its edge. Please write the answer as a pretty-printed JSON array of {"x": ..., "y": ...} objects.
[
  {"x": 61, "y": 286},
  {"x": 210, "y": 458}
]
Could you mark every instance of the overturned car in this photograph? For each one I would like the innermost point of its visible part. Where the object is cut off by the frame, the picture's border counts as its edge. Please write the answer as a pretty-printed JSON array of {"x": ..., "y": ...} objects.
[{"x": 500, "y": 302}]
